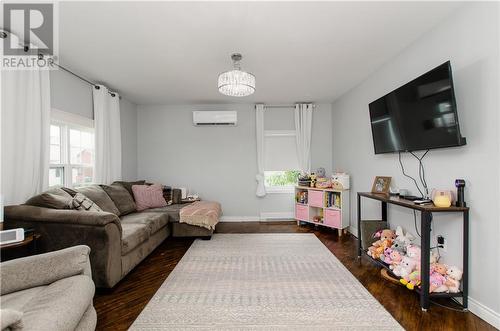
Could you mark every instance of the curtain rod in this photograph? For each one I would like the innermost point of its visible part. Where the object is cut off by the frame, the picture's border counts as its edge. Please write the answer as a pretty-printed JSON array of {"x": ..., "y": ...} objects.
[
  {"x": 283, "y": 106},
  {"x": 26, "y": 48},
  {"x": 113, "y": 94}
]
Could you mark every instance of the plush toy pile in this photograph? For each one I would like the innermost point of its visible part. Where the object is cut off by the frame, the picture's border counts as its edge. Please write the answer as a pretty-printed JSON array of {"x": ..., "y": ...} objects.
[{"x": 395, "y": 248}]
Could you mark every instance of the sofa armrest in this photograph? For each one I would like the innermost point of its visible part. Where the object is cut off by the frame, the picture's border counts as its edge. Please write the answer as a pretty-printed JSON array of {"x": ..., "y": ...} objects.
[
  {"x": 59, "y": 229},
  {"x": 40, "y": 214},
  {"x": 44, "y": 269}
]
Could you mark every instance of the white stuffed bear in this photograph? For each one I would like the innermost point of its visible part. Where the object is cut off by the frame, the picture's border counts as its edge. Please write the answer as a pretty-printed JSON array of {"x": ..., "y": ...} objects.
[
  {"x": 406, "y": 267},
  {"x": 453, "y": 277}
]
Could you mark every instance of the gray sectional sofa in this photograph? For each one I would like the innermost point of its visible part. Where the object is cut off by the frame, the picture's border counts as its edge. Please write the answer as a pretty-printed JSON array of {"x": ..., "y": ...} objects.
[
  {"x": 119, "y": 237},
  {"x": 51, "y": 291}
]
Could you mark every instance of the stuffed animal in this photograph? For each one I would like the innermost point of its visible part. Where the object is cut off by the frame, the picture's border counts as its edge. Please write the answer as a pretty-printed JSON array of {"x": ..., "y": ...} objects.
[
  {"x": 397, "y": 269},
  {"x": 437, "y": 278},
  {"x": 396, "y": 257},
  {"x": 399, "y": 245},
  {"x": 453, "y": 277},
  {"x": 386, "y": 237},
  {"x": 406, "y": 267},
  {"x": 413, "y": 251},
  {"x": 323, "y": 183},
  {"x": 405, "y": 238},
  {"x": 320, "y": 172},
  {"x": 313, "y": 180},
  {"x": 386, "y": 257},
  {"x": 379, "y": 251},
  {"x": 434, "y": 258},
  {"x": 411, "y": 280}
]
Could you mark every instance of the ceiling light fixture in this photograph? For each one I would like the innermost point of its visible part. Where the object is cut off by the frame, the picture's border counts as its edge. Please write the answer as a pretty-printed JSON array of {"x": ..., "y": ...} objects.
[{"x": 236, "y": 82}]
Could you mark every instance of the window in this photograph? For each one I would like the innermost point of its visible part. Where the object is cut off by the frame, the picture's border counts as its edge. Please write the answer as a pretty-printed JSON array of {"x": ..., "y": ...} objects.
[
  {"x": 72, "y": 150},
  {"x": 281, "y": 163},
  {"x": 281, "y": 178}
]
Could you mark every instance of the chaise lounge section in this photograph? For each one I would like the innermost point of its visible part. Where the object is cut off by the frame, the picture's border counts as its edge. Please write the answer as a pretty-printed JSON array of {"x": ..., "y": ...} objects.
[{"x": 179, "y": 229}]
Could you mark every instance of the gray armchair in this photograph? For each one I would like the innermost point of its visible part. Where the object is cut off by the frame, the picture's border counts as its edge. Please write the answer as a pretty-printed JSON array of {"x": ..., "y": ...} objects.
[{"x": 52, "y": 291}]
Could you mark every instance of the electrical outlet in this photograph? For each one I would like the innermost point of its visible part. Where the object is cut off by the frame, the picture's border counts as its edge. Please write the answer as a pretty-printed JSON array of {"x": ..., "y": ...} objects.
[{"x": 441, "y": 242}]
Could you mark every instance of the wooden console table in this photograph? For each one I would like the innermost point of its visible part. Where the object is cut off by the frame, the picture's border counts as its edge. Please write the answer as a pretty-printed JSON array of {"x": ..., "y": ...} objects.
[{"x": 426, "y": 212}]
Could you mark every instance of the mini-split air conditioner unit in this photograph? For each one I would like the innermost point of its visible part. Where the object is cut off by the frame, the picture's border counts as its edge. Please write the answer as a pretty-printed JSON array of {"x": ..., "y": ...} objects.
[{"x": 215, "y": 118}]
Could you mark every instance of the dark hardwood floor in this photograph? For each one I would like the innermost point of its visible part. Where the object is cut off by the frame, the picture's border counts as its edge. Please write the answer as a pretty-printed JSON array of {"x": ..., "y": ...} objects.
[{"x": 119, "y": 307}]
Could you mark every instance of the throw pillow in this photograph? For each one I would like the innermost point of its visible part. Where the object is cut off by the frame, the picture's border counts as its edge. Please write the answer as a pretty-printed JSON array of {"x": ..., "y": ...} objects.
[
  {"x": 55, "y": 199},
  {"x": 81, "y": 202},
  {"x": 148, "y": 196},
  {"x": 128, "y": 185},
  {"x": 120, "y": 196},
  {"x": 11, "y": 319},
  {"x": 97, "y": 194}
]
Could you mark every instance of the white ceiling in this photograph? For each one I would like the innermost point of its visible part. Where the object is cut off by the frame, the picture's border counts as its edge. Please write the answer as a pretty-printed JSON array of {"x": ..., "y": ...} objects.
[{"x": 172, "y": 52}]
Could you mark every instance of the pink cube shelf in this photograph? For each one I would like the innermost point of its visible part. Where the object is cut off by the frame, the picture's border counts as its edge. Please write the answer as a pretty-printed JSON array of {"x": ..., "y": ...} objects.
[
  {"x": 332, "y": 218},
  {"x": 302, "y": 212},
  {"x": 316, "y": 198}
]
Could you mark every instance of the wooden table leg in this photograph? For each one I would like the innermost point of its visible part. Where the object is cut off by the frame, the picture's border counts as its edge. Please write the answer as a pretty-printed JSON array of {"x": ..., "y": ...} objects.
[
  {"x": 359, "y": 226},
  {"x": 465, "y": 276},
  {"x": 425, "y": 229}
]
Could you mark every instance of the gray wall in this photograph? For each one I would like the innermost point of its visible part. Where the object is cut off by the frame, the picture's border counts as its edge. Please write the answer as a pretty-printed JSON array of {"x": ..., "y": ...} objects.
[
  {"x": 70, "y": 94},
  {"x": 73, "y": 95},
  {"x": 219, "y": 163},
  {"x": 469, "y": 38}
]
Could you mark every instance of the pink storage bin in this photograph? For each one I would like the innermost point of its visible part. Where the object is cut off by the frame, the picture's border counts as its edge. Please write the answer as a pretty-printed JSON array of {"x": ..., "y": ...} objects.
[
  {"x": 316, "y": 198},
  {"x": 332, "y": 218},
  {"x": 302, "y": 212}
]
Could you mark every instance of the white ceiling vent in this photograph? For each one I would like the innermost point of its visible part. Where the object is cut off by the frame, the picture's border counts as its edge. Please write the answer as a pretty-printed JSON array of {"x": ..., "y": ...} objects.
[{"x": 215, "y": 118}]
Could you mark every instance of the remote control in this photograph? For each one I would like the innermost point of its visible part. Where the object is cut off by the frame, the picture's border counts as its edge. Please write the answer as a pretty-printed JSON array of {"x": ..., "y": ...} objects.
[{"x": 422, "y": 201}]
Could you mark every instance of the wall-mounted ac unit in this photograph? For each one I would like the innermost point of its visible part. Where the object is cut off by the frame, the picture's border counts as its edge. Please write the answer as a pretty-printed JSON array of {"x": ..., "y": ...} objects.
[{"x": 215, "y": 117}]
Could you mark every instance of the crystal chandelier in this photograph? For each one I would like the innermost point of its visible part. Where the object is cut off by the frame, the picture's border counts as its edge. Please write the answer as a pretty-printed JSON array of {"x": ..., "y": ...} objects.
[{"x": 236, "y": 82}]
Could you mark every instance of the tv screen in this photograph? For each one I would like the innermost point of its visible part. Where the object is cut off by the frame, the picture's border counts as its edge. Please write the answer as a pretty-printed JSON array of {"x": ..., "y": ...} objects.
[{"x": 419, "y": 115}]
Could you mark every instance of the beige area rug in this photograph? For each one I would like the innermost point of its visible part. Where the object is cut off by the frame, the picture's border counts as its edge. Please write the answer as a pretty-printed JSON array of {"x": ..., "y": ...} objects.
[{"x": 262, "y": 282}]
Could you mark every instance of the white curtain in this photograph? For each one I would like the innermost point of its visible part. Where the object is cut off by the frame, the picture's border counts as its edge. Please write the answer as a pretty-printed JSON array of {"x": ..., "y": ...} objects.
[
  {"x": 259, "y": 116},
  {"x": 25, "y": 125},
  {"x": 108, "y": 146},
  {"x": 303, "y": 130}
]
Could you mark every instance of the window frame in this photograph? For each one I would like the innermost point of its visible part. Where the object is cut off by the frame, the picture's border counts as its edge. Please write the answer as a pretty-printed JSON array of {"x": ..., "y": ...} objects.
[
  {"x": 67, "y": 121},
  {"x": 286, "y": 189}
]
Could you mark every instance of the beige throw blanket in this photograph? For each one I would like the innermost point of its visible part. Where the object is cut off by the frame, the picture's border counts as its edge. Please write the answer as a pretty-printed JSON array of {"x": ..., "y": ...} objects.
[{"x": 201, "y": 213}]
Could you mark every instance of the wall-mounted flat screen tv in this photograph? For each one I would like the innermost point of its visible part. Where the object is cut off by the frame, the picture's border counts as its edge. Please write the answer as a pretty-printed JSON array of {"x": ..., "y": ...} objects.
[{"x": 419, "y": 115}]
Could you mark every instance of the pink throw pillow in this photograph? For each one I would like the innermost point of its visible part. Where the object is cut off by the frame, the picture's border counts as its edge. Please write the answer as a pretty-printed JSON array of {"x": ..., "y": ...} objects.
[{"x": 148, "y": 196}]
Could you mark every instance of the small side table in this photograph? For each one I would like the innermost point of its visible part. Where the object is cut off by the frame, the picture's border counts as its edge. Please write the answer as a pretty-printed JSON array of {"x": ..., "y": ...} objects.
[
  {"x": 23, "y": 248},
  {"x": 190, "y": 200}
]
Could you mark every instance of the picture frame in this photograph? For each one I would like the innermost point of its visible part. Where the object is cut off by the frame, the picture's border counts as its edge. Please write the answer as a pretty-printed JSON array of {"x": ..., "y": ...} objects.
[{"x": 381, "y": 185}]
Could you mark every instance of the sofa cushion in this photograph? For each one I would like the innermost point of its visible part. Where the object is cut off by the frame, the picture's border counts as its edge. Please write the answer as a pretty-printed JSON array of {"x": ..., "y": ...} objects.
[
  {"x": 148, "y": 196},
  {"x": 172, "y": 211},
  {"x": 120, "y": 196},
  {"x": 155, "y": 221},
  {"x": 60, "y": 305},
  {"x": 88, "y": 321},
  {"x": 54, "y": 198},
  {"x": 133, "y": 234},
  {"x": 17, "y": 300},
  {"x": 100, "y": 197},
  {"x": 128, "y": 185}
]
